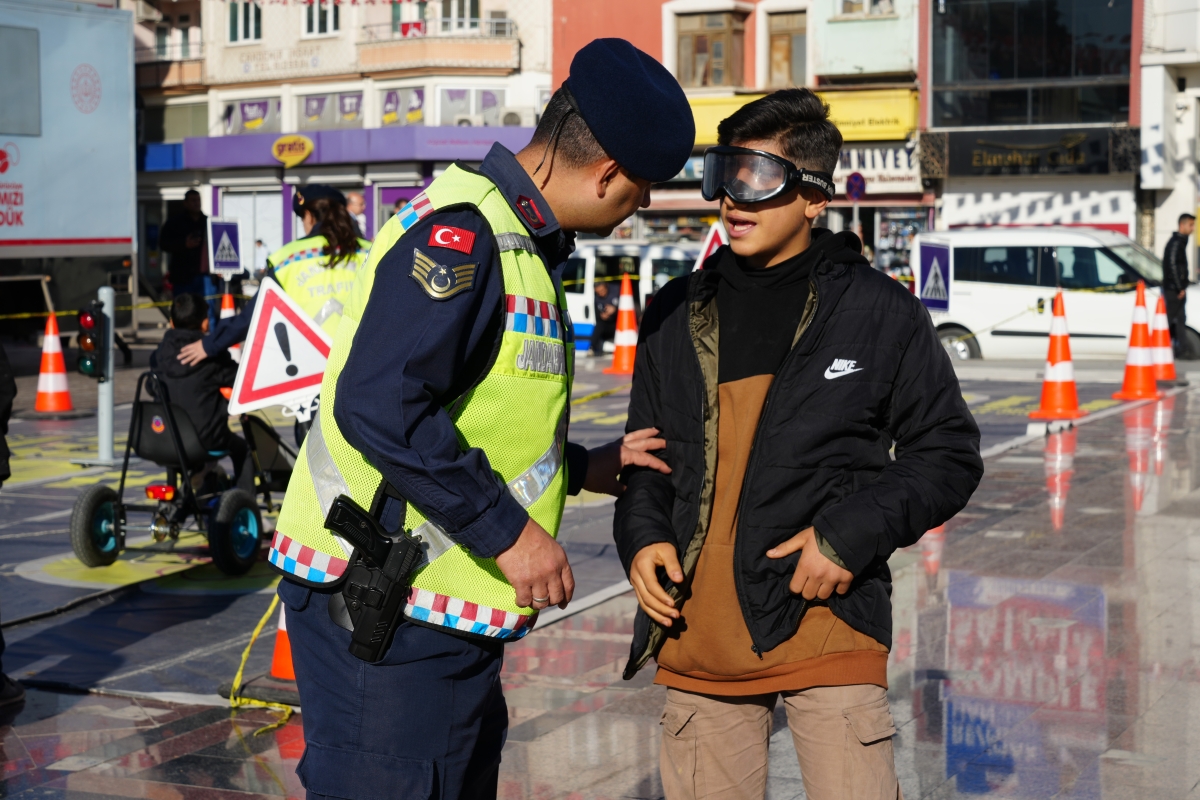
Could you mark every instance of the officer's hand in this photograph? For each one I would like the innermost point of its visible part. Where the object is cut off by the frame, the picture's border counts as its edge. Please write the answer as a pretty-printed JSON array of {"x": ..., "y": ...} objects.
[
  {"x": 536, "y": 566},
  {"x": 643, "y": 574},
  {"x": 816, "y": 576},
  {"x": 192, "y": 353},
  {"x": 606, "y": 462}
]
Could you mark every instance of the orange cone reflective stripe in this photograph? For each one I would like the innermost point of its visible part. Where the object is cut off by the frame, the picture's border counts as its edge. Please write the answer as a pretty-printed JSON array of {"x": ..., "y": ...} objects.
[
  {"x": 1139, "y": 438},
  {"x": 626, "y": 336},
  {"x": 1139, "y": 361},
  {"x": 1060, "y": 399},
  {"x": 1160, "y": 341},
  {"x": 52, "y": 391},
  {"x": 1059, "y": 467}
]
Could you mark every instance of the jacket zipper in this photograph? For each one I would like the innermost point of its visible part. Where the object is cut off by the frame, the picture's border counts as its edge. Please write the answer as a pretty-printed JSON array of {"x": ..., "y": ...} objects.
[{"x": 737, "y": 550}]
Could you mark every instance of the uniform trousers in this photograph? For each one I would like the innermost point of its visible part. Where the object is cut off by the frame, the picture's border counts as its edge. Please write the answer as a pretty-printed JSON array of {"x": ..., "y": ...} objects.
[
  {"x": 427, "y": 722},
  {"x": 715, "y": 748}
]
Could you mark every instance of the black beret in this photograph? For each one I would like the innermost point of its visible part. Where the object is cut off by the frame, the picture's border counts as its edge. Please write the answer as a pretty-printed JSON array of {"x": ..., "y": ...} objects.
[
  {"x": 315, "y": 191},
  {"x": 635, "y": 108}
]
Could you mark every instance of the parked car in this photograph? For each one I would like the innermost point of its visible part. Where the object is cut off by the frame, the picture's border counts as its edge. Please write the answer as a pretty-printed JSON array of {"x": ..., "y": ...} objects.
[
  {"x": 649, "y": 266},
  {"x": 1003, "y": 282}
]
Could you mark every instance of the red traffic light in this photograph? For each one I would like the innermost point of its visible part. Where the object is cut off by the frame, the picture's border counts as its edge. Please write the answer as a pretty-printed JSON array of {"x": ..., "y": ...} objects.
[{"x": 87, "y": 320}]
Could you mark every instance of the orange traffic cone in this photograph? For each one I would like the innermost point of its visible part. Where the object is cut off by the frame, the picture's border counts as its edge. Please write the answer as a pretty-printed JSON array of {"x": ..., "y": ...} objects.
[
  {"x": 1164, "y": 410},
  {"x": 1060, "y": 466},
  {"x": 1160, "y": 341},
  {"x": 1138, "y": 440},
  {"x": 1059, "y": 397},
  {"x": 1139, "y": 362},
  {"x": 52, "y": 391},
  {"x": 626, "y": 338},
  {"x": 281, "y": 661},
  {"x": 933, "y": 544},
  {"x": 227, "y": 311}
]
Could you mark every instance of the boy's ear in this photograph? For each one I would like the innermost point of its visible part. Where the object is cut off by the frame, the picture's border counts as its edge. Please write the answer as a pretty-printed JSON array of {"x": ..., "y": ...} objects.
[
  {"x": 204, "y": 325},
  {"x": 817, "y": 202}
]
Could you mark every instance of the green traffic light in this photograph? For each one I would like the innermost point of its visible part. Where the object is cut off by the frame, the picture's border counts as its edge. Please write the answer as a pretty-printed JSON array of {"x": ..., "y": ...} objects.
[{"x": 88, "y": 365}]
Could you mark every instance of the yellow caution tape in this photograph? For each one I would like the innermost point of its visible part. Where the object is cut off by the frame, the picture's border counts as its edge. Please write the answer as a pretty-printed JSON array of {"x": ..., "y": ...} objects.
[
  {"x": 160, "y": 304},
  {"x": 236, "y": 701},
  {"x": 587, "y": 398}
]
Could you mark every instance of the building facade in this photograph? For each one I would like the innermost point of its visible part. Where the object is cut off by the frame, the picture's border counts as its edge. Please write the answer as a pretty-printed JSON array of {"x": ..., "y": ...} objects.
[
  {"x": 1170, "y": 88},
  {"x": 859, "y": 55},
  {"x": 1030, "y": 111},
  {"x": 246, "y": 99}
]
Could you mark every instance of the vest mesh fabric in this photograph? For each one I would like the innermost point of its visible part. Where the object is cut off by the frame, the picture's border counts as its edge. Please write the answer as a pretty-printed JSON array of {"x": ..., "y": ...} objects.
[
  {"x": 515, "y": 414},
  {"x": 322, "y": 291}
]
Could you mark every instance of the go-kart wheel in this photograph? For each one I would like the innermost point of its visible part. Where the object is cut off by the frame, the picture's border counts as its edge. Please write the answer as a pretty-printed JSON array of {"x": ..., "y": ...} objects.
[
  {"x": 95, "y": 526},
  {"x": 234, "y": 532}
]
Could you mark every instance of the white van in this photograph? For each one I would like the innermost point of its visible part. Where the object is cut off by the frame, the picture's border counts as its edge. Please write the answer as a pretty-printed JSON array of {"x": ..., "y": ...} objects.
[
  {"x": 1003, "y": 282},
  {"x": 649, "y": 266}
]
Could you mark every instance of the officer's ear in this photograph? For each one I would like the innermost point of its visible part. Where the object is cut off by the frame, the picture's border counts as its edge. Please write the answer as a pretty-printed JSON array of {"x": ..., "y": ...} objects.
[{"x": 604, "y": 173}]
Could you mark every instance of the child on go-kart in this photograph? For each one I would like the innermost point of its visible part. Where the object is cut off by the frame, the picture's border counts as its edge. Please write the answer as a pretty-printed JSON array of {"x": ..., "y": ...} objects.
[{"x": 197, "y": 388}]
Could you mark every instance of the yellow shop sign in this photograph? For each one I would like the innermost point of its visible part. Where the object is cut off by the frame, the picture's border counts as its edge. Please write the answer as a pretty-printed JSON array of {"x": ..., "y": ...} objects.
[
  {"x": 292, "y": 149},
  {"x": 873, "y": 115}
]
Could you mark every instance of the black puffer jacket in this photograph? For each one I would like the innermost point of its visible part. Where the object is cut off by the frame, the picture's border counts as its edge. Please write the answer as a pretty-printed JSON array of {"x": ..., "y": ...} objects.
[
  {"x": 866, "y": 371},
  {"x": 1175, "y": 266},
  {"x": 197, "y": 388}
]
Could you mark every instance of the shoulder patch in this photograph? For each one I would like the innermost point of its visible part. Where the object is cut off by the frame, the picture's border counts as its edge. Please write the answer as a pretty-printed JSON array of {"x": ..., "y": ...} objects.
[
  {"x": 416, "y": 209},
  {"x": 441, "y": 282}
]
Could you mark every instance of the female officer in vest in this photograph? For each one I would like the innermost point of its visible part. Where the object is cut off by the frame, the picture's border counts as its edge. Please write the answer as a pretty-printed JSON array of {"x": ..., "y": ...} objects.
[
  {"x": 317, "y": 271},
  {"x": 444, "y": 411}
]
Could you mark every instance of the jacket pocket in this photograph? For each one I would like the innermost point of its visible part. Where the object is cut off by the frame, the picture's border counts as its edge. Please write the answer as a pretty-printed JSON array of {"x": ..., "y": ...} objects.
[{"x": 356, "y": 775}]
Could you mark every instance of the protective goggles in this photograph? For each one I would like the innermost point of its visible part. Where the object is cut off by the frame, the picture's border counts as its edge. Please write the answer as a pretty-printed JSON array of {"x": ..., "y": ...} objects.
[{"x": 751, "y": 176}]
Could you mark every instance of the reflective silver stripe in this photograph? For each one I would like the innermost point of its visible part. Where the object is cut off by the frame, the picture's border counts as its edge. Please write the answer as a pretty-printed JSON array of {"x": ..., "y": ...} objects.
[
  {"x": 531, "y": 484},
  {"x": 434, "y": 541},
  {"x": 330, "y": 308},
  {"x": 326, "y": 477},
  {"x": 515, "y": 241}
]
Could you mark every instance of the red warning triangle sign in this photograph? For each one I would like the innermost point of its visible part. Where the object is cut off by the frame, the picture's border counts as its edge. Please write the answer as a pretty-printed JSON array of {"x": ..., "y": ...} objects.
[
  {"x": 285, "y": 354},
  {"x": 713, "y": 240}
]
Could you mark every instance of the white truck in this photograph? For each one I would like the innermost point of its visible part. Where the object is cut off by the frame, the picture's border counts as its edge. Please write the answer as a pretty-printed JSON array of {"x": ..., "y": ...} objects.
[{"x": 67, "y": 158}]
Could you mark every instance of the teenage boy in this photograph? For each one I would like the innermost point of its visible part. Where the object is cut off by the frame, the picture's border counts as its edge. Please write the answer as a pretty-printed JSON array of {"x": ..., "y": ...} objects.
[
  {"x": 196, "y": 388},
  {"x": 782, "y": 376}
]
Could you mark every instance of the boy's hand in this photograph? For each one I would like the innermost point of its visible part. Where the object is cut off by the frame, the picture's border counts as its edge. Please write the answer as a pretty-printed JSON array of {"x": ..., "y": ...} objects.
[
  {"x": 606, "y": 462},
  {"x": 643, "y": 574},
  {"x": 816, "y": 576}
]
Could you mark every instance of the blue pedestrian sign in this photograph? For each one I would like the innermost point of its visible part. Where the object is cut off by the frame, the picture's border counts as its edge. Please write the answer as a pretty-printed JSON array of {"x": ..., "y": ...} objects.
[
  {"x": 224, "y": 247},
  {"x": 856, "y": 186},
  {"x": 933, "y": 281}
]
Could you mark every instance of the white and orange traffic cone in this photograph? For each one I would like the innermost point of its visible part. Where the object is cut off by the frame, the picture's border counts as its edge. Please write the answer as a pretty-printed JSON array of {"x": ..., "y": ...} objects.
[
  {"x": 281, "y": 661},
  {"x": 227, "y": 311},
  {"x": 626, "y": 337},
  {"x": 53, "y": 394},
  {"x": 1139, "y": 435},
  {"x": 1164, "y": 410},
  {"x": 1160, "y": 342},
  {"x": 1139, "y": 362},
  {"x": 1060, "y": 400},
  {"x": 1060, "y": 466},
  {"x": 933, "y": 544}
]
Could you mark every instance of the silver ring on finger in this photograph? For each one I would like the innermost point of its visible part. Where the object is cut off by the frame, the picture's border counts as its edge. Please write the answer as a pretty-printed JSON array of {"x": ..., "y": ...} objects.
[{"x": 541, "y": 599}]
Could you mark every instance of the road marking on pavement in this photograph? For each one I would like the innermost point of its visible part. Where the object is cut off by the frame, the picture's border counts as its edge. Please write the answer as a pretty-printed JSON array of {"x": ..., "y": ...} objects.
[
  {"x": 32, "y": 534},
  {"x": 38, "y": 518},
  {"x": 199, "y": 652}
]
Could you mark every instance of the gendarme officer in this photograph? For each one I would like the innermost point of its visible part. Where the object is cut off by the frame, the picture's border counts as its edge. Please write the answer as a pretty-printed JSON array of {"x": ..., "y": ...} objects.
[{"x": 444, "y": 412}]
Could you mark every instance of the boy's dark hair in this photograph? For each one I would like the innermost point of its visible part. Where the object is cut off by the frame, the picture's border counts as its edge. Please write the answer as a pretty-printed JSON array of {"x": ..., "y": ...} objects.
[
  {"x": 188, "y": 312},
  {"x": 561, "y": 133},
  {"x": 1184, "y": 217},
  {"x": 796, "y": 119}
]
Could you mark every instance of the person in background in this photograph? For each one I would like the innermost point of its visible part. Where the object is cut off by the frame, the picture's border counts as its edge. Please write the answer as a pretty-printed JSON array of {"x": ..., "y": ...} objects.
[
  {"x": 1176, "y": 278},
  {"x": 183, "y": 239},
  {"x": 606, "y": 316},
  {"x": 260, "y": 258},
  {"x": 11, "y": 692},
  {"x": 196, "y": 388},
  {"x": 356, "y": 205}
]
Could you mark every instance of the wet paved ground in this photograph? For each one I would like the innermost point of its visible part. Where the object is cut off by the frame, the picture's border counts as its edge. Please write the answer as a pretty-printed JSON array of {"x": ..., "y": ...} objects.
[{"x": 1047, "y": 643}]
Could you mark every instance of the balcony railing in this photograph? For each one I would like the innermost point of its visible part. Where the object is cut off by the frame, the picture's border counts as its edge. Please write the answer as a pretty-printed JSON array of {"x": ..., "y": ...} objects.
[
  {"x": 490, "y": 28},
  {"x": 175, "y": 51}
]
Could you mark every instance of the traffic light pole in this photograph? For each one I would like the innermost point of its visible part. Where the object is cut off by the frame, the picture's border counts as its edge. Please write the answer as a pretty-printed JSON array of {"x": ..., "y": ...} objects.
[{"x": 104, "y": 391}]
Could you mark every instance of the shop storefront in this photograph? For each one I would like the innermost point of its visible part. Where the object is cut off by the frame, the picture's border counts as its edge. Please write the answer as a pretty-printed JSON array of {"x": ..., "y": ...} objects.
[
  {"x": 252, "y": 178},
  {"x": 1048, "y": 176}
]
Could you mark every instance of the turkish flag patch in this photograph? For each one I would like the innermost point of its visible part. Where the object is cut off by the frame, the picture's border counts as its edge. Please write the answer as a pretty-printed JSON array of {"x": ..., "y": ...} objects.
[{"x": 453, "y": 238}]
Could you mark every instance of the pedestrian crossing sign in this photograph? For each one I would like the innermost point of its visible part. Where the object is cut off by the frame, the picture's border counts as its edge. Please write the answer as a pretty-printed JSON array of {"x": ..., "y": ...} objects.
[
  {"x": 224, "y": 247},
  {"x": 933, "y": 278}
]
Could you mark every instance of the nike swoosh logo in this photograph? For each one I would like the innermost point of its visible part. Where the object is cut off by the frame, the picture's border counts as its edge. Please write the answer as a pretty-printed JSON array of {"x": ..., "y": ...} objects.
[{"x": 830, "y": 375}]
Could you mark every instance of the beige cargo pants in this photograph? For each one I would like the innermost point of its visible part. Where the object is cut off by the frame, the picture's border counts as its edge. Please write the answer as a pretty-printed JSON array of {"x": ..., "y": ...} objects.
[{"x": 715, "y": 748}]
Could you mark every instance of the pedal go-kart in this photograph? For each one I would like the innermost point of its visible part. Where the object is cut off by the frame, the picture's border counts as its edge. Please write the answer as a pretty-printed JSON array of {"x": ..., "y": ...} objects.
[{"x": 195, "y": 487}]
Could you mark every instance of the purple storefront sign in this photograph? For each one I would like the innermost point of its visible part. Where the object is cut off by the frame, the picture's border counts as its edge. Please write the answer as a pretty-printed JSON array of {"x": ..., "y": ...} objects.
[
  {"x": 314, "y": 107},
  {"x": 350, "y": 104},
  {"x": 357, "y": 146},
  {"x": 254, "y": 113}
]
